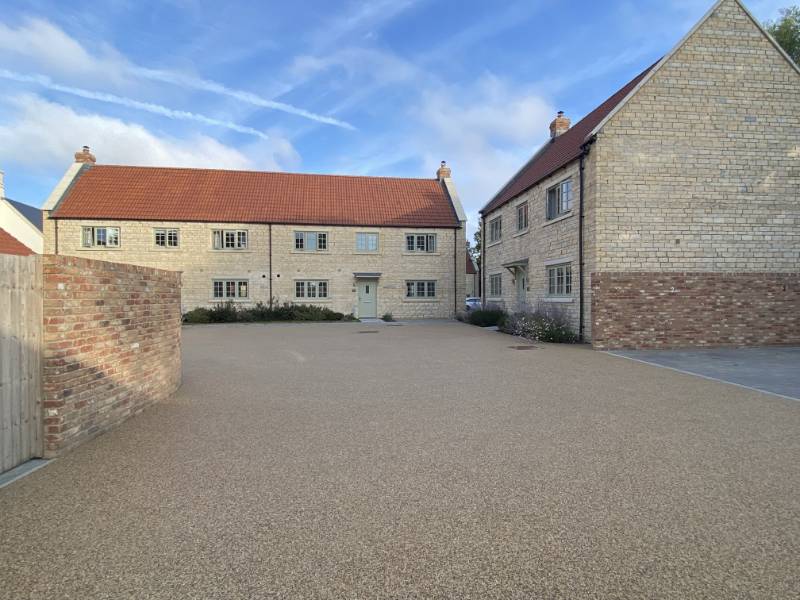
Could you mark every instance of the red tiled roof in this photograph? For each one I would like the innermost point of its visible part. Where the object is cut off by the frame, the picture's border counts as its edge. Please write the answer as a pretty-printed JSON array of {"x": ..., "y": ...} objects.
[
  {"x": 11, "y": 245},
  {"x": 210, "y": 195},
  {"x": 562, "y": 150},
  {"x": 470, "y": 266}
]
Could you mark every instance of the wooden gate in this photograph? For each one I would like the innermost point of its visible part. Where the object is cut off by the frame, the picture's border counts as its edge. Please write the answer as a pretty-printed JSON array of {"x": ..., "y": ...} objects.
[{"x": 21, "y": 429}]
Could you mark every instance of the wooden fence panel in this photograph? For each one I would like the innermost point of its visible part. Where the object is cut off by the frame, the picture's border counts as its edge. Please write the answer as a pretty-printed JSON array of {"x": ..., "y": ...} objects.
[{"x": 21, "y": 429}]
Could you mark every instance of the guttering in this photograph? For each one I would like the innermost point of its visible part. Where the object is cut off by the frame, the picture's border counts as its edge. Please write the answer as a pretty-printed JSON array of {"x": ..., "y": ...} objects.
[
  {"x": 270, "y": 266},
  {"x": 584, "y": 153}
]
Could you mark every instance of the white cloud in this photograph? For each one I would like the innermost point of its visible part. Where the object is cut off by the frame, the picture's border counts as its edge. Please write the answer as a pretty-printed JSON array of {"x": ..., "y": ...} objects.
[
  {"x": 40, "y": 45},
  {"x": 42, "y": 135},
  {"x": 485, "y": 132}
]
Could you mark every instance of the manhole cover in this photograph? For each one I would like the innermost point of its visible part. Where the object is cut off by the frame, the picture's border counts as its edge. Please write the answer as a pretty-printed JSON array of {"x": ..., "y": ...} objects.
[
  {"x": 523, "y": 347},
  {"x": 369, "y": 331}
]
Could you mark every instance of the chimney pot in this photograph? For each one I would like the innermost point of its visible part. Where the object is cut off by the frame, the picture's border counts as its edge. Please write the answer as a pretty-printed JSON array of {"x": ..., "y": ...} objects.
[
  {"x": 85, "y": 156},
  {"x": 560, "y": 125},
  {"x": 443, "y": 172}
]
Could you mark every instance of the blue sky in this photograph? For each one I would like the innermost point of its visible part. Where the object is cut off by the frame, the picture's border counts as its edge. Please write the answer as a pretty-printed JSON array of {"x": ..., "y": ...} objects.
[{"x": 387, "y": 87}]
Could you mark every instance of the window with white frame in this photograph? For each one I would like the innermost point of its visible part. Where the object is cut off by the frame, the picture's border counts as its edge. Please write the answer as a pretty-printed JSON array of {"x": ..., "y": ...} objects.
[
  {"x": 100, "y": 237},
  {"x": 166, "y": 238},
  {"x": 366, "y": 242},
  {"x": 559, "y": 280},
  {"x": 522, "y": 217},
  {"x": 496, "y": 285},
  {"x": 230, "y": 239},
  {"x": 495, "y": 229},
  {"x": 311, "y": 289},
  {"x": 420, "y": 289},
  {"x": 421, "y": 242},
  {"x": 559, "y": 199},
  {"x": 310, "y": 241},
  {"x": 230, "y": 289}
]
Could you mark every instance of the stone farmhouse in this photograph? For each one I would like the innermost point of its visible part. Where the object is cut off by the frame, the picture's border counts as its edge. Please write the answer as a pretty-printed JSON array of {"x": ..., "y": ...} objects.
[
  {"x": 361, "y": 245},
  {"x": 670, "y": 214}
]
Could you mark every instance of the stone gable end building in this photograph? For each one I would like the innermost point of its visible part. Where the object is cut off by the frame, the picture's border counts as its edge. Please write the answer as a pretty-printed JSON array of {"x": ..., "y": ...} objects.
[
  {"x": 670, "y": 215},
  {"x": 361, "y": 245}
]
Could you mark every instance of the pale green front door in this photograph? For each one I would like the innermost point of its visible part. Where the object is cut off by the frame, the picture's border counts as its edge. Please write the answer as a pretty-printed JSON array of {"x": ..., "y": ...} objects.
[{"x": 368, "y": 299}]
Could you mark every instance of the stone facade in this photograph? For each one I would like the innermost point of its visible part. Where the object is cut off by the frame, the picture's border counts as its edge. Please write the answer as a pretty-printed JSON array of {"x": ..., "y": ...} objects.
[
  {"x": 698, "y": 171},
  {"x": 111, "y": 345},
  {"x": 544, "y": 242},
  {"x": 201, "y": 264},
  {"x": 671, "y": 310}
]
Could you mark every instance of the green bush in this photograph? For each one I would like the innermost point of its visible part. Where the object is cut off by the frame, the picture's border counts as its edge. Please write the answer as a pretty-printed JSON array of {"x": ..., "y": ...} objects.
[
  {"x": 230, "y": 313},
  {"x": 487, "y": 317},
  {"x": 388, "y": 317},
  {"x": 546, "y": 324}
]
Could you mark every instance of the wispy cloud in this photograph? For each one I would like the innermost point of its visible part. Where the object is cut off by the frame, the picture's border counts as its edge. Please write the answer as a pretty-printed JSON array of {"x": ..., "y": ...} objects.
[
  {"x": 206, "y": 85},
  {"x": 170, "y": 113}
]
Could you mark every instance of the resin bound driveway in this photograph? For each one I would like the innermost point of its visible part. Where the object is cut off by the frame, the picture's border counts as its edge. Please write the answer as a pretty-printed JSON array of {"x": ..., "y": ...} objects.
[{"x": 421, "y": 461}]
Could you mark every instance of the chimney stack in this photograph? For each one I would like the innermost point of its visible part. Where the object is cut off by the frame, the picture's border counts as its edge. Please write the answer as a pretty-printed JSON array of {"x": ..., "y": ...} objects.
[
  {"x": 84, "y": 156},
  {"x": 560, "y": 125},
  {"x": 443, "y": 172}
]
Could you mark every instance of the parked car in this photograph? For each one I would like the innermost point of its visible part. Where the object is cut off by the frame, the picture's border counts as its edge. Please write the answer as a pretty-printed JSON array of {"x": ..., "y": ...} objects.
[{"x": 473, "y": 303}]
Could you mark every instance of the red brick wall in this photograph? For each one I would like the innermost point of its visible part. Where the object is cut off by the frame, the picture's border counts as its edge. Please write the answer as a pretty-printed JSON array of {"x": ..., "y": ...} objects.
[
  {"x": 671, "y": 310},
  {"x": 111, "y": 345}
]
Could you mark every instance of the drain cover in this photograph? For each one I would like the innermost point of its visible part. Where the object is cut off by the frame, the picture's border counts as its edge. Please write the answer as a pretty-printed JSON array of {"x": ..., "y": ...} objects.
[
  {"x": 369, "y": 331},
  {"x": 523, "y": 347}
]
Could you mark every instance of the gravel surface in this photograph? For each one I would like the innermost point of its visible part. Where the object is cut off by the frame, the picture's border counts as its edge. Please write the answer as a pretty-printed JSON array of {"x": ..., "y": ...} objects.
[{"x": 421, "y": 461}]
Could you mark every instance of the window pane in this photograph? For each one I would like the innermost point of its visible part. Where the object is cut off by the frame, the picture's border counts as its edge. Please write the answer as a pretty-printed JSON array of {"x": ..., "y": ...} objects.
[
  {"x": 241, "y": 239},
  {"x": 409, "y": 289},
  {"x": 113, "y": 236},
  {"x": 421, "y": 289},
  {"x": 421, "y": 243},
  {"x": 172, "y": 238},
  {"x": 431, "y": 243},
  {"x": 230, "y": 239},
  {"x": 230, "y": 289},
  {"x": 361, "y": 241},
  {"x": 217, "y": 239},
  {"x": 322, "y": 289},
  {"x": 217, "y": 289},
  {"x": 566, "y": 196},
  {"x": 311, "y": 241},
  {"x": 161, "y": 237},
  {"x": 431, "y": 289},
  {"x": 372, "y": 242},
  {"x": 568, "y": 279},
  {"x": 300, "y": 289},
  {"x": 322, "y": 241},
  {"x": 88, "y": 237},
  {"x": 410, "y": 243},
  {"x": 298, "y": 241},
  {"x": 242, "y": 289}
]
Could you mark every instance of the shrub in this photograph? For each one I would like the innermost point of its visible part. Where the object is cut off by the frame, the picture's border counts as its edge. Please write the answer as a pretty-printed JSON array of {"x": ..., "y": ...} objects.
[
  {"x": 198, "y": 315},
  {"x": 546, "y": 323},
  {"x": 487, "y": 317},
  {"x": 388, "y": 317},
  {"x": 230, "y": 313}
]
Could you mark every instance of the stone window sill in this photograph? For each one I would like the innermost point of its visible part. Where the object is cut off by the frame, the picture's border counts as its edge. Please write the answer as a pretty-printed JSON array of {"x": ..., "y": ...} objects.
[
  {"x": 523, "y": 232},
  {"x": 406, "y": 253},
  {"x": 231, "y": 251},
  {"x": 495, "y": 243},
  {"x": 422, "y": 300},
  {"x": 310, "y": 252},
  {"x": 558, "y": 219}
]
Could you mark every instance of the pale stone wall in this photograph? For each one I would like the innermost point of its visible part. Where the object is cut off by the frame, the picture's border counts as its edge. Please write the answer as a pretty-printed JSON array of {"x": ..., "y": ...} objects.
[
  {"x": 200, "y": 263},
  {"x": 700, "y": 170},
  {"x": 544, "y": 241}
]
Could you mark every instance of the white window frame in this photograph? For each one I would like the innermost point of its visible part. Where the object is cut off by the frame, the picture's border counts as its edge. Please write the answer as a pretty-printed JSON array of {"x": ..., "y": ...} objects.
[
  {"x": 558, "y": 199},
  {"x": 496, "y": 230},
  {"x": 367, "y": 241},
  {"x": 523, "y": 214},
  {"x": 559, "y": 280},
  {"x": 312, "y": 289},
  {"x": 91, "y": 237},
  {"x": 303, "y": 241},
  {"x": 223, "y": 289},
  {"x": 421, "y": 289},
  {"x": 230, "y": 240},
  {"x": 423, "y": 243},
  {"x": 166, "y": 232},
  {"x": 496, "y": 285}
]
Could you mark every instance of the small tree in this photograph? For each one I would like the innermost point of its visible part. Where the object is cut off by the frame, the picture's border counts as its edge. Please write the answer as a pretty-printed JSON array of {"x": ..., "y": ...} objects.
[{"x": 786, "y": 31}]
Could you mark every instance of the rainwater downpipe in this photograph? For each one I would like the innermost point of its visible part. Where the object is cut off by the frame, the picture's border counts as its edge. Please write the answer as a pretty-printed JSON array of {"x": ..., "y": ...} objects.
[{"x": 585, "y": 152}]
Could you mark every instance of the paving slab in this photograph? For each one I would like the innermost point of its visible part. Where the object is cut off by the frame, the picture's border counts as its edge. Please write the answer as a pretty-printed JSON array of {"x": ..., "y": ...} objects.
[
  {"x": 775, "y": 370},
  {"x": 423, "y": 461}
]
